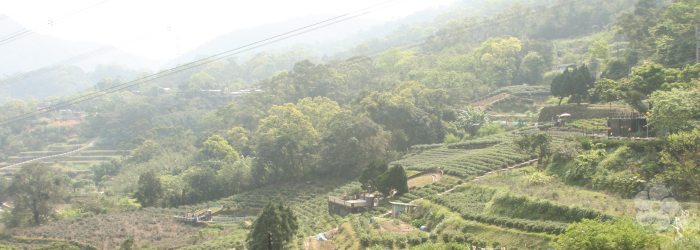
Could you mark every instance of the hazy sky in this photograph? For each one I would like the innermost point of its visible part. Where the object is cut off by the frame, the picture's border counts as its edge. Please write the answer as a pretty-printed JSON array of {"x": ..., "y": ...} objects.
[{"x": 140, "y": 26}]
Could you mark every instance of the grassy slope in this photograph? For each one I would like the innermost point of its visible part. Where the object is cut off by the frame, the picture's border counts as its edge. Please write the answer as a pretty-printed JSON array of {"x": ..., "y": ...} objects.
[{"x": 516, "y": 182}]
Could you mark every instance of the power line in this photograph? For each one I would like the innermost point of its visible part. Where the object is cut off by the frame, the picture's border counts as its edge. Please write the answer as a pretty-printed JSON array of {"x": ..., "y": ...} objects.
[
  {"x": 26, "y": 32},
  {"x": 97, "y": 52},
  {"x": 64, "y": 63},
  {"x": 198, "y": 63}
]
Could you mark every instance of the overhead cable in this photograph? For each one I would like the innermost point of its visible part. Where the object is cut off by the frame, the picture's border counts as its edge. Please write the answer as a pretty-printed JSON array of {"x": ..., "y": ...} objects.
[
  {"x": 198, "y": 63},
  {"x": 26, "y": 32}
]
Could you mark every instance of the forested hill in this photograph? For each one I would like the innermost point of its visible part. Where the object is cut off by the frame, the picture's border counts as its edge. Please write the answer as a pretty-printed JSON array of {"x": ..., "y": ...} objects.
[
  {"x": 398, "y": 99},
  {"x": 296, "y": 128}
]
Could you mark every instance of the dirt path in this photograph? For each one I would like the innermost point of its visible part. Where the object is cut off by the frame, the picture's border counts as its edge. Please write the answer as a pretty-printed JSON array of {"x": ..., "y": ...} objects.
[
  {"x": 485, "y": 102},
  {"x": 401, "y": 228},
  {"x": 60, "y": 154}
]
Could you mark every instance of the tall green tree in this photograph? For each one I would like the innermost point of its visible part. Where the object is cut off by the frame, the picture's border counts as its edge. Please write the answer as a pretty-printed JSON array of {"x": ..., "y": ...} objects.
[
  {"x": 277, "y": 219},
  {"x": 216, "y": 147},
  {"x": 675, "y": 110},
  {"x": 559, "y": 86},
  {"x": 351, "y": 144},
  {"x": 471, "y": 119},
  {"x": 580, "y": 81},
  {"x": 532, "y": 69},
  {"x": 598, "y": 50},
  {"x": 149, "y": 189},
  {"x": 681, "y": 161},
  {"x": 605, "y": 91},
  {"x": 288, "y": 140},
  {"x": 369, "y": 175},
  {"x": 538, "y": 143},
  {"x": 394, "y": 179},
  {"x": 36, "y": 189}
]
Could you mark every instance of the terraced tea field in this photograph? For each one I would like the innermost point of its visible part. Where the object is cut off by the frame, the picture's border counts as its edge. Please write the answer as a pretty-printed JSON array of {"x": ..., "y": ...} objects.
[
  {"x": 108, "y": 231},
  {"x": 428, "y": 156},
  {"x": 486, "y": 154},
  {"x": 56, "y": 155}
]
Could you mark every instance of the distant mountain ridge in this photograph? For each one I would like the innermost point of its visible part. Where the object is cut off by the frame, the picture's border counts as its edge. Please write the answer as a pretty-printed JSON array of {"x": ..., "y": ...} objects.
[{"x": 39, "y": 50}]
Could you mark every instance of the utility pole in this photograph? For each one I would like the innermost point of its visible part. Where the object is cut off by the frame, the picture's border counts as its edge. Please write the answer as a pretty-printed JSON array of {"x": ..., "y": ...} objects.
[{"x": 269, "y": 241}]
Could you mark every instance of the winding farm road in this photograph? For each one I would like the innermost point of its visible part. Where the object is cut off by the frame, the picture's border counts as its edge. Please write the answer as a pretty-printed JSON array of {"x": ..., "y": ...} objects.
[{"x": 59, "y": 154}]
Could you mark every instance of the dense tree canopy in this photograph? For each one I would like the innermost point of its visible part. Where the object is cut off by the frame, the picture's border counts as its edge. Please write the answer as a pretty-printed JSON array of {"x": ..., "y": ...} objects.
[
  {"x": 36, "y": 190},
  {"x": 277, "y": 220}
]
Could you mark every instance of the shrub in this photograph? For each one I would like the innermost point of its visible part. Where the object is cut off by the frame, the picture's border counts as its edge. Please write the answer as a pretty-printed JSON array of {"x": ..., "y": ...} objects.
[
  {"x": 375, "y": 239},
  {"x": 400, "y": 241}
]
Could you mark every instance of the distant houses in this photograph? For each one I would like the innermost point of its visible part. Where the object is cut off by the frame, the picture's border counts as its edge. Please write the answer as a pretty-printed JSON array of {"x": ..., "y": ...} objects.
[{"x": 562, "y": 67}]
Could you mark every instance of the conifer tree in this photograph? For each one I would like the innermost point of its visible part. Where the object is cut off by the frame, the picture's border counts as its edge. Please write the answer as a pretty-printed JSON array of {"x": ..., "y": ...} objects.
[
  {"x": 374, "y": 169},
  {"x": 579, "y": 83},
  {"x": 393, "y": 179},
  {"x": 279, "y": 220},
  {"x": 561, "y": 85}
]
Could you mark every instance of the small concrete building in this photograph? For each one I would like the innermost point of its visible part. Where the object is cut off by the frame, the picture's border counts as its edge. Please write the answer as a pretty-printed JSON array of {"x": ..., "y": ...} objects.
[
  {"x": 344, "y": 205},
  {"x": 398, "y": 208}
]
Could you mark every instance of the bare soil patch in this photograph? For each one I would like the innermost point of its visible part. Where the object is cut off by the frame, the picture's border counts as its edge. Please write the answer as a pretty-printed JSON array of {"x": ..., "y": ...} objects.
[
  {"x": 389, "y": 226},
  {"x": 485, "y": 102},
  {"x": 421, "y": 181}
]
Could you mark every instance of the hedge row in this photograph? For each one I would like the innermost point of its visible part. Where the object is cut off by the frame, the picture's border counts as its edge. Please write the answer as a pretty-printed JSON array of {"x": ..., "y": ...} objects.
[
  {"x": 520, "y": 90},
  {"x": 462, "y": 238},
  {"x": 469, "y": 201},
  {"x": 535, "y": 226},
  {"x": 519, "y": 206},
  {"x": 639, "y": 146},
  {"x": 426, "y": 146}
]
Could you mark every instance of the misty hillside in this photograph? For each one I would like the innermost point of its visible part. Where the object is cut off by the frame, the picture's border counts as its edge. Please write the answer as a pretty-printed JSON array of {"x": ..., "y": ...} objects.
[
  {"x": 507, "y": 124},
  {"x": 327, "y": 40},
  {"x": 38, "y": 50}
]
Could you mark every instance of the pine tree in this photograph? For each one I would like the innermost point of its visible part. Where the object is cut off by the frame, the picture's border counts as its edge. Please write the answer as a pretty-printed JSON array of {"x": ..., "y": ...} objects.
[
  {"x": 579, "y": 82},
  {"x": 560, "y": 85},
  {"x": 393, "y": 179},
  {"x": 369, "y": 175},
  {"x": 276, "y": 219}
]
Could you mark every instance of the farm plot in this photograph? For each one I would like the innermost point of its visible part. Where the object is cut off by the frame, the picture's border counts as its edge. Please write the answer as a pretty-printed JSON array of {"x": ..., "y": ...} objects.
[
  {"x": 313, "y": 213},
  {"x": 426, "y": 191},
  {"x": 428, "y": 156},
  {"x": 35, "y": 243},
  {"x": 527, "y": 91},
  {"x": 308, "y": 201},
  {"x": 514, "y": 211},
  {"x": 495, "y": 152},
  {"x": 249, "y": 203},
  {"x": 109, "y": 231},
  {"x": 477, "y": 162}
]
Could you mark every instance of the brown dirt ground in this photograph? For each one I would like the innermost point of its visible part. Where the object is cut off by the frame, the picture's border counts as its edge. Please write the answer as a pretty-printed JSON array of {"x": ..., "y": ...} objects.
[
  {"x": 485, "y": 102},
  {"x": 389, "y": 226},
  {"x": 420, "y": 181}
]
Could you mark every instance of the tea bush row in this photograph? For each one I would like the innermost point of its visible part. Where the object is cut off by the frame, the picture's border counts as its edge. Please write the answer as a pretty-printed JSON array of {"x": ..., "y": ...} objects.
[
  {"x": 521, "y": 91},
  {"x": 429, "y": 156},
  {"x": 519, "y": 206}
]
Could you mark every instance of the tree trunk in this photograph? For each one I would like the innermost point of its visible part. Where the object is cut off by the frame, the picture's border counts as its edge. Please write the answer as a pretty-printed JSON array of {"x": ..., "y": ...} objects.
[
  {"x": 35, "y": 213},
  {"x": 560, "y": 99}
]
